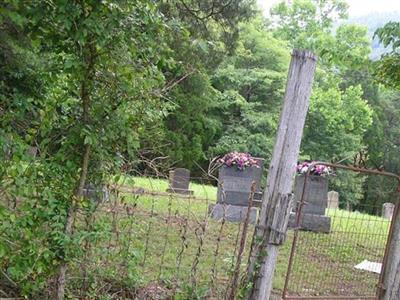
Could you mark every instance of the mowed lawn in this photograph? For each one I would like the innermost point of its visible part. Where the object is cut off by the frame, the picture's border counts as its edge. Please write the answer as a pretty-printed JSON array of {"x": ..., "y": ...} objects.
[{"x": 175, "y": 241}]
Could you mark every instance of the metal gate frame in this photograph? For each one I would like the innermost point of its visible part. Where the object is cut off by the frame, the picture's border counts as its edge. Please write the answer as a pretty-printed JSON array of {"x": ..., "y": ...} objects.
[{"x": 380, "y": 287}]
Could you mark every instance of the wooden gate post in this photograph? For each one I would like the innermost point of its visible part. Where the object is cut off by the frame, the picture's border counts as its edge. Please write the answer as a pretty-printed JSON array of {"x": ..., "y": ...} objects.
[
  {"x": 391, "y": 270},
  {"x": 275, "y": 209}
]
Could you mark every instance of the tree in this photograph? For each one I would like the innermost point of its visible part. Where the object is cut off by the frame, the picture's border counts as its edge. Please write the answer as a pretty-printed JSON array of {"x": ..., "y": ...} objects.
[
  {"x": 383, "y": 148},
  {"x": 205, "y": 32},
  {"x": 251, "y": 84},
  {"x": 388, "y": 68},
  {"x": 189, "y": 130},
  {"x": 351, "y": 47},
  {"x": 334, "y": 131},
  {"x": 336, "y": 123},
  {"x": 305, "y": 23},
  {"x": 101, "y": 73},
  {"x": 309, "y": 25},
  {"x": 86, "y": 84}
]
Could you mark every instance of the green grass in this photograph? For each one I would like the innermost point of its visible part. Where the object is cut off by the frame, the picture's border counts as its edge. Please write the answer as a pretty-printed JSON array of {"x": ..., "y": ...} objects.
[
  {"x": 163, "y": 231},
  {"x": 160, "y": 185},
  {"x": 324, "y": 263}
]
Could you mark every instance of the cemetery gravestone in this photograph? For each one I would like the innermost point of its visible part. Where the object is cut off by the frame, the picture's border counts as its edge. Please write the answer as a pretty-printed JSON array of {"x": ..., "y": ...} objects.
[
  {"x": 313, "y": 216},
  {"x": 315, "y": 194},
  {"x": 234, "y": 191},
  {"x": 333, "y": 200},
  {"x": 179, "y": 180},
  {"x": 387, "y": 211},
  {"x": 232, "y": 213},
  {"x": 235, "y": 185}
]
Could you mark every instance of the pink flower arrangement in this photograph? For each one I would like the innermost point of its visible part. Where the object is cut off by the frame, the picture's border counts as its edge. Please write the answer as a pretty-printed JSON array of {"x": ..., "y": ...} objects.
[
  {"x": 239, "y": 159},
  {"x": 317, "y": 170}
]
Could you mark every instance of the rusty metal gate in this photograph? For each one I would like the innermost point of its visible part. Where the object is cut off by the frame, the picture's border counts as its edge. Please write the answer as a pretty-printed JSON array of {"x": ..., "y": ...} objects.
[{"x": 322, "y": 264}]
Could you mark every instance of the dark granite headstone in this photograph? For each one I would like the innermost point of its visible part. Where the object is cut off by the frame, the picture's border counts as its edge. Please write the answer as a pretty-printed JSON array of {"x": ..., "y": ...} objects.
[
  {"x": 315, "y": 194},
  {"x": 235, "y": 185},
  {"x": 315, "y": 203},
  {"x": 179, "y": 180}
]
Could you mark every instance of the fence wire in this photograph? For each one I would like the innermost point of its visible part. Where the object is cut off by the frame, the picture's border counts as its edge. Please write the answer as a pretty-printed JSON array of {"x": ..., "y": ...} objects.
[
  {"x": 143, "y": 242},
  {"x": 159, "y": 245},
  {"x": 343, "y": 263}
]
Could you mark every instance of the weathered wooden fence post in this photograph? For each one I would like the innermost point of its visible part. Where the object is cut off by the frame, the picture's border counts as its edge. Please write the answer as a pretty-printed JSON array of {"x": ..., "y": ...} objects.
[
  {"x": 275, "y": 209},
  {"x": 391, "y": 271}
]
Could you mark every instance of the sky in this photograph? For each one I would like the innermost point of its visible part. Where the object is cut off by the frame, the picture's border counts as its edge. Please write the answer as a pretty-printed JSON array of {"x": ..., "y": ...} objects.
[{"x": 357, "y": 7}]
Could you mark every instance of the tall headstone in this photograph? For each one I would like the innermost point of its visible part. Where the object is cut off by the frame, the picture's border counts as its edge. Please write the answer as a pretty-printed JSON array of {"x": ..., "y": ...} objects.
[
  {"x": 313, "y": 216},
  {"x": 234, "y": 192},
  {"x": 387, "y": 210},
  {"x": 333, "y": 200},
  {"x": 235, "y": 185},
  {"x": 179, "y": 180}
]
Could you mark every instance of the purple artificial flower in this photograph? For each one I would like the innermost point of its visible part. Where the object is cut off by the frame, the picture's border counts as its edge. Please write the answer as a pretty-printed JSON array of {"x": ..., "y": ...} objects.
[
  {"x": 241, "y": 160},
  {"x": 317, "y": 170}
]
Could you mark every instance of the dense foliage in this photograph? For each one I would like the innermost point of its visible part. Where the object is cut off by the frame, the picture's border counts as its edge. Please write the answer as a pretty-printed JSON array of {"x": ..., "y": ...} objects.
[{"x": 91, "y": 89}]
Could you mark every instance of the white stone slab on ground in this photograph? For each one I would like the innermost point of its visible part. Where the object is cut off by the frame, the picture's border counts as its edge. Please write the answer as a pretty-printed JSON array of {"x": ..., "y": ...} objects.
[{"x": 369, "y": 266}]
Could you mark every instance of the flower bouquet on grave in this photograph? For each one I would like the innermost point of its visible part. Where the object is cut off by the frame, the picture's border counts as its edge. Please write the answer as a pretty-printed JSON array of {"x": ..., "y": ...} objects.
[
  {"x": 316, "y": 170},
  {"x": 240, "y": 160}
]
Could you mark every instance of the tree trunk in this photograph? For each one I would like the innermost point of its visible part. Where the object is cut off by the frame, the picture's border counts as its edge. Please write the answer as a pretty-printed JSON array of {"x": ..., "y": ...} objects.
[
  {"x": 70, "y": 221},
  {"x": 277, "y": 195},
  {"x": 85, "y": 100}
]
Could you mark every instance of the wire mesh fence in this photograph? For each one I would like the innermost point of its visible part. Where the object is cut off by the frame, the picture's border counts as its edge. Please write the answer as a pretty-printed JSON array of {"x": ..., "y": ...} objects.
[
  {"x": 140, "y": 241},
  {"x": 324, "y": 264},
  {"x": 159, "y": 243},
  {"x": 343, "y": 262}
]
